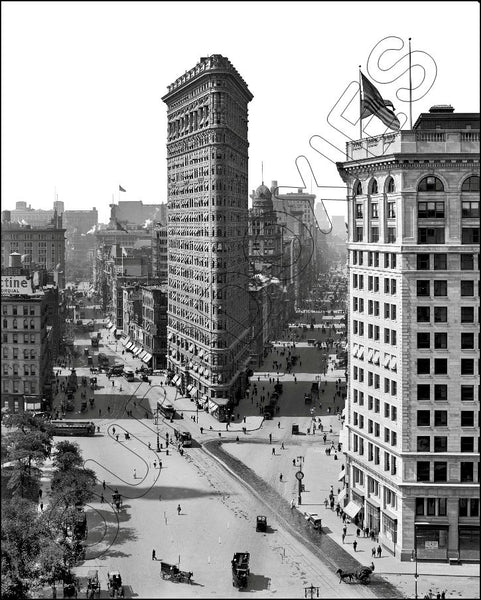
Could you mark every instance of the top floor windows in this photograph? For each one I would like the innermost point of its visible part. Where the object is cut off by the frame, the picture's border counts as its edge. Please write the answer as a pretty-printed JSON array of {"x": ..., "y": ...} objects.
[
  {"x": 391, "y": 210},
  {"x": 373, "y": 187},
  {"x": 430, "y": 184},
  {"x": 390, "y": 188},
  {"x": 471, "y": 184},
  {"x": 358, "y": 210},
  {"x": 358, "y": 189},
  {"x": 470, "y": 210},
  {"x": 431, "y": 210}
]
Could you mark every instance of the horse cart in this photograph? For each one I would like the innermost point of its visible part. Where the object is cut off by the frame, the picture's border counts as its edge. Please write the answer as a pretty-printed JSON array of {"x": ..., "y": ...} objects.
[
  {"x": 117, "y": 501},
  {"x": 93, "y": 584},
  {"x": 173, "y": 573},
  {"x": 115, "y": 587},
  {"x": 240, "y": 569},
  {"x": 362, "y": 575}
]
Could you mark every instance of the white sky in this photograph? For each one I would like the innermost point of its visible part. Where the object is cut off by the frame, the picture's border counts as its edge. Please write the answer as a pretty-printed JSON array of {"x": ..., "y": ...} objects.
[{"x": 82, "y": 84}]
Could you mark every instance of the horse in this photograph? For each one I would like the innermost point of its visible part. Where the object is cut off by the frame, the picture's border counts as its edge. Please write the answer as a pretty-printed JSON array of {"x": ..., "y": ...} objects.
[{"x": 344, "y": 575}]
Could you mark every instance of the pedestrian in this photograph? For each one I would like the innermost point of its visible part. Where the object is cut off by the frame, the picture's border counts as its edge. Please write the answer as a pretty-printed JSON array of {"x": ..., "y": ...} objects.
[
  {"x": 282, "y": 446},
  {"x": 331, "y": 490},
  {"x": 153, "y": 555},
  {"x": 113, "y": 430},
  {"x": 101, "y": 498},
  {"x": 373, "y": 552},
  {"x": 155, "y": 464},
  {"x": 135, "y": 473},
  {"x": 325, "y": 502},
  {"x": 40, "y": 493},
  {"x": 344, "y": 530},
  {"x": 273, "y": 451},
  {"x": 343, "y": 537},
  {"x": 54, "y": 590},
  {"x": 338, "y": 508},
  {"x": 201, "y": 430},
  {"x": 358, "y": 532},
  {"x": 113, "y": 383},
  {"x": 279, "y": 425},
  {"x": 178, "y": 509},
  {"x": 438, "y": 596},
  {"x": 103, "y": 484},
  {"x": 41, "y": 506},
  {"x": 354, "y": 545},
  {"x": 344, "y": 516},
  {"x": 108, "y": 409},
  {"x": 293, "y": 462},
  {"x": 270, "y": 438},
  {"x": 117, "y": 437},
  {"x": 150, "y": 447},
  {"x": 379, "y": 550},
  {"x": 443, "y": 595},
  {"x": 100, "y": 412}
]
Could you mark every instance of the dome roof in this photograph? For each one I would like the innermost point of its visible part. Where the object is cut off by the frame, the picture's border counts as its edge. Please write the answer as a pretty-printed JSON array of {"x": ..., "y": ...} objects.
[{"x": 263, "y": 192}]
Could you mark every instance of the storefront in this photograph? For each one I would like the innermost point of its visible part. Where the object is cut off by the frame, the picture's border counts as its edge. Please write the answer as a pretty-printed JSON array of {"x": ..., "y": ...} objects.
[
  {"x": 373, "y": 515},
  {"x": 469, "y": 542},
  {"x": 431, "y": 541},
  {"x": 219, "y": 408},
  {"x": 389, "y": 531}
]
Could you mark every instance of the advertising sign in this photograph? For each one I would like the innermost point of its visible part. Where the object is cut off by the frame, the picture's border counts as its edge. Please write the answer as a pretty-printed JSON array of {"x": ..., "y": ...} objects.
[{"x": 16, "y": 285}]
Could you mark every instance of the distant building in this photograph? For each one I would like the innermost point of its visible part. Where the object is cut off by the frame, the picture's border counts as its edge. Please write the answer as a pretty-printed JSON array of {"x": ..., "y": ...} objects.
[
  {"x": 42, "y": 247},
  {"x": 411, "y": 435},
  {"x": 264, "y": 241},
  {"x": 136, "y": 213},
  {"x": 159, "y": 251}
]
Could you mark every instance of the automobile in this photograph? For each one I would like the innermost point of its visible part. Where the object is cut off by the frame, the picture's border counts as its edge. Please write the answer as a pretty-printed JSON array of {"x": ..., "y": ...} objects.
[
  {"x": 314, "y": 521},
  {"x": 307, "y": 398},
  {"x": 261, "y": 523},
  {"x": 144, "y": 377},
  {"x": 116, "y": 370},
  {"x": 295, "y": 429},
  {"x": 186, "y": 439}
]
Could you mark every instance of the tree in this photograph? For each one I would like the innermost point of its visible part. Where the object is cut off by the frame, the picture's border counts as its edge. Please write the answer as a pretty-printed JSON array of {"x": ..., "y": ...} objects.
[
  {"x": 72, "y": 487},
  {"x": 67, "y": 456}
]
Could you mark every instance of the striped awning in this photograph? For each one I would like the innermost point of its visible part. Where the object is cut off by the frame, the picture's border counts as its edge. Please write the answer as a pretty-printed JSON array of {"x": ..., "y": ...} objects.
[
  {"x": 341, "y": 495},
  {"x": 189, "y": 387},
  {"x": 129, "y": 346},
  {"x": 194, "y": 391},
  {"x": 341, "y": 475},
  {"x": 125, "y": 341},
  {"x": 109, "y": 325},
  {"x": 387, "y": 360},
  {"x": 393, "y": 363},
  {"x": 376, "y": 357},
  {"x": 142, "y": 354},
  {"x": 175, "y": 379},
  {"x": 361, "y": 352},
  {"x": 137, "y": 350},
  {"x": 147, "y": 357}
]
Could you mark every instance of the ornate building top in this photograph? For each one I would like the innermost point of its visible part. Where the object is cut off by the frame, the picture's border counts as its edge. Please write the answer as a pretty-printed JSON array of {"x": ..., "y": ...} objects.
[{"x": 215, "y": 62}]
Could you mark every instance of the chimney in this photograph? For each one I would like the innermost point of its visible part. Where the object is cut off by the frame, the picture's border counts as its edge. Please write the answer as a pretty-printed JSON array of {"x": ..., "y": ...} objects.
[{"x": 15, "y": 260}]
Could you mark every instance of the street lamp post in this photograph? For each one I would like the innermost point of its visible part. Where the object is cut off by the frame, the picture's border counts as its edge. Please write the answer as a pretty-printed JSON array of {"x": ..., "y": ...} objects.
[{"x": 414, "y": 557}]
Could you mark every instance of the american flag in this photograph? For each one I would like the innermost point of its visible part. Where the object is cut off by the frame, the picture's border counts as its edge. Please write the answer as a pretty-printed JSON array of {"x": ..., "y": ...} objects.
[{"x": 373, "y": 104}]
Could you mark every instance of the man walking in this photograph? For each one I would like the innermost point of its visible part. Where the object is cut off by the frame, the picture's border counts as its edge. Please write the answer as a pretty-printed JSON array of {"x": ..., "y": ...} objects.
[
  {"x": 379, "y": 551},
  {"x": 179, "y": 510},
  {"x": 354, "y": 545}
]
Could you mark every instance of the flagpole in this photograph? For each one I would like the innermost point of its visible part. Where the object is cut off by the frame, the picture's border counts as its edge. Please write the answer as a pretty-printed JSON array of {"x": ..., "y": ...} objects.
[
  {"x": 410, "y": 90},
  {"x": 360, "y": 104}
]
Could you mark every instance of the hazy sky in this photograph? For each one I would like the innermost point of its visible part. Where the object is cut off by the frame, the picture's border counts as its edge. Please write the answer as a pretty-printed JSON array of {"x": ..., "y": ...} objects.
[{"x": 82, "y": 84}]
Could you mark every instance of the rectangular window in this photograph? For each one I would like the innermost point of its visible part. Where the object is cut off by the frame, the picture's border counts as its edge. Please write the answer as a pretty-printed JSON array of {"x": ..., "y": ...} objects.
[
  {"x": 431, "y": 210},
  {"x": 431, "y": 507},
  {"x": 467, "y": 366},
  {"x": 440, "y": 366},
  {"x": 423, "y": 391},
  {"x": 431, "y": 235},
  {"x": 423, "y": 314},
  {"x": 440, "y": 418},
  {"x": 391, "y": 235},
  {"x": 440, "y": 314},
  {"x": 419, "y": 507},
  {"x": 393, "y": 287},
  {"x": 470, "y": 235},
  {"x": 467, "y": 288},
  {"x": 423, "y": 366},
  {"x": 423, "y": 287},
  {"x": 440, "y": 288},
  {"x": 374, "y": 235},
  {"x": 440, "y": 471},
  {"x": 470, "y": 209},
  {"x": 391, "y": 210},
  {"x": 467, "y": 341},
  {"x": 423, "y": 443},
  {"x": 467, "y": 471},
  {"x": 467, "y": 444},
  {"x": 423, "y": 339},
  {"x": 467, "y": 262},
  {"x": 423, "y": 418},
  {"x": 359, "y": 234},
  {"x": 467, "y": 418},
  {"x": 440, "y": 262},
  {"x": 374, "y": 211},
  {"x": 467, "y": 393},
  {"x": 467, "y": 314},
  {"x": 440, "y": 444},
  {"x": 440, "y": 392},
  {"x": 474, "y": 507},
  {"x": 422, "y": 262},
  {"x": 423, "y": 468},
  {"x": 441, "y": 340},
  {"x": 358, "y": 211}
]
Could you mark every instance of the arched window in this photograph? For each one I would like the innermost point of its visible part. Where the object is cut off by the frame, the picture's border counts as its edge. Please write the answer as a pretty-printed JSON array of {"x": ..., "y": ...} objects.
[
  {"x": 471, "y": 184},
  {"x": 430, "y": 184},
  {"x": 390, "y": 186},
  {"x": 358, "y": 189},
  {"x": 373, "y": 187}
]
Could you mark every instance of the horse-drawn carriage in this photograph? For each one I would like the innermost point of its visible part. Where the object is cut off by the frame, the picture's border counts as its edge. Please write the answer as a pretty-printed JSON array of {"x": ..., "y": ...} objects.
[
  {"x": 70, "y": 586},
  {"x": 240, "y": 569},
  {"x": 173, "y": 573},
  {"x": 362, "y": 575},
  {"x": 117, "y": 500},
  {"x": 93, "y": 584},
  {"x": 115, "y": 587}
]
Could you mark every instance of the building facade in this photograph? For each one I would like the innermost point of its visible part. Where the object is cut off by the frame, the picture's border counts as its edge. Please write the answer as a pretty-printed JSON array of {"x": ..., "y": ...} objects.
[
  {"x": 412, "y": 417},
  {"x": 207, "y": 164},
  {"x": 159, "y": 251},
  {"x": 42, "y": 247},
  {"x": 264, "y": 243}
]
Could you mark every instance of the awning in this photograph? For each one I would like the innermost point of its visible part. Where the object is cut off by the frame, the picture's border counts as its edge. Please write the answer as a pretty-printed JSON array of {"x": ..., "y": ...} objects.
[
  {"x": 175, "y": 379},
  {"x": 355, "y": 350},
  {"x": 219, "y": 401},
  {"x": 352, "y": 509},
  {"x": 137, "y": 350},
  {"x": 341, "y": 475},
  {"x": 195, "y": 367},
  {"x": 341, "y": 495},
  {"x": 125, "y": 341},
  {"x": 109, "y": 325},
  {"x": 393, "y": 363},
  {"x": 191, "y": 348},
  {"x": 194, "y": 391},
  {"x": 361, "y": 352},
  {"x": 370, "y": 353},
  {"x": 147, "y": 357},
  {"x": 118, "y": 332},
  {"x": 129, "y": 346},
  {"x": 142, "y": 354},
  {"x": 201, "y": 353},
  {"x": 205, "y": 398},
  {"x": 376, "y": 357},
  {"x": 189, "y": 387},
  {"x": 387, "y": 360}
]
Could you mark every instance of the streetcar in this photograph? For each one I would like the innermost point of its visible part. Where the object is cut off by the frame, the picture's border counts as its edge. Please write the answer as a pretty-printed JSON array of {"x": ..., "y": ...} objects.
[{"x": 62, "y": 428}]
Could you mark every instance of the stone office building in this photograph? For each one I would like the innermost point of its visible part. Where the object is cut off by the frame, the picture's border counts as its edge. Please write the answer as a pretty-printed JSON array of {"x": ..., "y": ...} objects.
[
  {"x": 207, "y": 162},
  {"x": 412, "y": 416}
]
